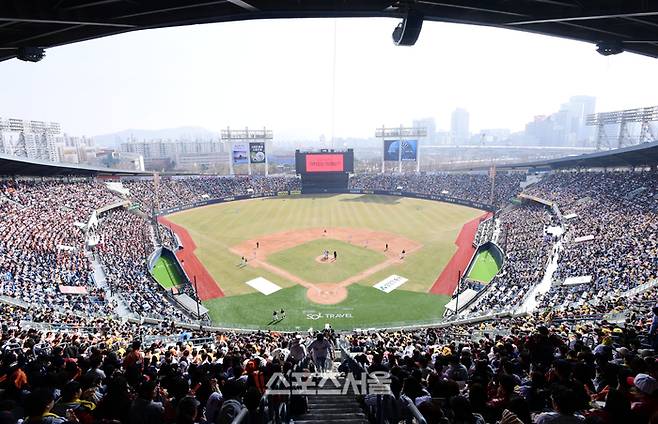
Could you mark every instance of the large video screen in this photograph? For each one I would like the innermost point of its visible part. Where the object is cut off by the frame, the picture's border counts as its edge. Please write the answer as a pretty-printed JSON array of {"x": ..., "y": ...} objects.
[{"x": 324, "y": 162}]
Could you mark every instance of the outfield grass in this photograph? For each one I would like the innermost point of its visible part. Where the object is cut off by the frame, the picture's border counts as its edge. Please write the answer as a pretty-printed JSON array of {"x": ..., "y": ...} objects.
[
  {"x": 300, "y": 260},
  {"x": 216, "y": 228},
  {"x": 166, "y": 273},
  {"x": 484, "y": 268},
  {"x": 364, "y": 307}
]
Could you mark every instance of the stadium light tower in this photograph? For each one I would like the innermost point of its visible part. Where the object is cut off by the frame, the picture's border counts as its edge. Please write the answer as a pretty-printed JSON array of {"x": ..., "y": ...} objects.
[
  {"x": 644, "y": 115},
  {"x": 247, "y": 147},
  {"x": 403, "y": 139}
]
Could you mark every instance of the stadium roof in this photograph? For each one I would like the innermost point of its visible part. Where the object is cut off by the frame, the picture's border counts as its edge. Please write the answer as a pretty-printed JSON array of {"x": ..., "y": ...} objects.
[
  {"x": 631, "y": 24},
  {"x": 645, "y": 154},
  {"x": 12, "y": 165}
]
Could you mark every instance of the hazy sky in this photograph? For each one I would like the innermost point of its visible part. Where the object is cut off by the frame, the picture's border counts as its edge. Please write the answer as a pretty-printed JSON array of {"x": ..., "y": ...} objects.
[{"x": 278, "y": 73}]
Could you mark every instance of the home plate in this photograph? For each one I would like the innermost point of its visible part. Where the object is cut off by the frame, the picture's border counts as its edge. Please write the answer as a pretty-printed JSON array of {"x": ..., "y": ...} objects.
[{"x": 264, "y": 286}]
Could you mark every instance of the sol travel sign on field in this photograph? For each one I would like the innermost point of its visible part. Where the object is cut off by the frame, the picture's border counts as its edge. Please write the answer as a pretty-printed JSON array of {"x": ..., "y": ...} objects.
[{"x": 317, "y": 315}]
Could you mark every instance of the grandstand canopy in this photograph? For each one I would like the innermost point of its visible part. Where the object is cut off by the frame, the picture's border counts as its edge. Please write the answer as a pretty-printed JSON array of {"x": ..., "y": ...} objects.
[
  {"x": 41, "y": 23},
  {"x": 645, "y": 154},
  {"x": 12, "y": 165}
]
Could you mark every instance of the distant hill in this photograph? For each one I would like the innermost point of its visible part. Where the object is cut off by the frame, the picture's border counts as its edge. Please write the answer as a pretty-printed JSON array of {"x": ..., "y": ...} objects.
[{"x": 180, "y": 133}]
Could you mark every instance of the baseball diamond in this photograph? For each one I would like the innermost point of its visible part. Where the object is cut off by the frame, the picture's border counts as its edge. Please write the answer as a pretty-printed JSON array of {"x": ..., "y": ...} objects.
[{"x": 284, "y": 240}]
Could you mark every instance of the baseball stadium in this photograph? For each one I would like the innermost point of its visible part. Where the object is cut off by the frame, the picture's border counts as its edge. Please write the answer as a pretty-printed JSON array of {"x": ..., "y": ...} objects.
[
  {"x": 288, "y": 271},
  {"x": 403, "y": 278},
  {"x": 318, "y": 253}
]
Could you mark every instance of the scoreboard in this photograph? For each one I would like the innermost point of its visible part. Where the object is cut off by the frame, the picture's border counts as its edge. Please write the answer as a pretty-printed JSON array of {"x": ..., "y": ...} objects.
[{"x": 324, "y": 161}]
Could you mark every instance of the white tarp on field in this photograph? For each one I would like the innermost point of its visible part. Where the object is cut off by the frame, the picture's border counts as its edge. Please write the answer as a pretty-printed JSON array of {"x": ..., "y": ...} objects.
[
  {"x": 572, "y": 281},
  {"x": 390, "y": 283},
  {"x": 264, "y": 286}
]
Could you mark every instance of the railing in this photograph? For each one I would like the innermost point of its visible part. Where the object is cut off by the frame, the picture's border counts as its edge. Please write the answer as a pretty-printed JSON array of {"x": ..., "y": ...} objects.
[
  {"x": 641, "y": 288},
  {"x": 242, "y": 417},
  {"x": 415, "y": 414}
]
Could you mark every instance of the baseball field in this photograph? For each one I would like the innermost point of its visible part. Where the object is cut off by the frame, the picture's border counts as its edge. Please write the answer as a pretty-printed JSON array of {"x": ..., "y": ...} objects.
[{"x": 318, "y": 257}]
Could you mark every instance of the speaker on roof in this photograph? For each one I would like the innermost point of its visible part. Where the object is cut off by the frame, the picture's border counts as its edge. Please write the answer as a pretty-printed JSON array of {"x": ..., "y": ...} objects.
[{"x": 407, "y": 31}]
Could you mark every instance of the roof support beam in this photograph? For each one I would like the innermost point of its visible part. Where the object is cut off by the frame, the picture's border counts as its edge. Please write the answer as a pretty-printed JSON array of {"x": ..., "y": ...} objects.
[
  {"x": 171, "y": 9},
  {"x": 94, "y": 4},
  {"x": 62, "y": 22},
  {"x": 244, "y": 5},
  {"x": 471, "y": 7},
  {"x": 585, "y": 18}
]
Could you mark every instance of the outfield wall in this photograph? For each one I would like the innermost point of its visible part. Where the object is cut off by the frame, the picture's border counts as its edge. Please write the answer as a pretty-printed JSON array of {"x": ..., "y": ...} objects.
[{"x": 436, "y": 197}]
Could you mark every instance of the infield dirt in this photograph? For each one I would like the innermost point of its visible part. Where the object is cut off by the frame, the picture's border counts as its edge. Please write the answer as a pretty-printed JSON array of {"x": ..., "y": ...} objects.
[{"x": 326, "y": 293}]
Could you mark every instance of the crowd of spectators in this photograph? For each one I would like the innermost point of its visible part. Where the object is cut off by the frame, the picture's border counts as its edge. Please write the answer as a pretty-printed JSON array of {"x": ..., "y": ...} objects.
[
  {"x": 181, "y": 191},
  {"x": 527, "y": 249},
  {"x": 536, "y": 368},
  {"x": 123, "y": 249},
  {"x": 63, "y": 360},
  {"x": 541, "y": 368},
  {"x": 619, "y": 210},
  {"x": 472, "y": 187},
  {"x": 167, "y": 237},
  {"x": 484, "y": 232},
  {"x": 42, "y": 244}
]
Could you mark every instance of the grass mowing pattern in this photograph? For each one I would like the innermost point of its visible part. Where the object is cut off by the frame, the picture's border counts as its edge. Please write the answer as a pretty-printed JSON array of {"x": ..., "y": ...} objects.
[
  {"x": 216, "y": 228},
  {"x": 166, "y": 273},
  {"x": 485, "y": 267},
  {"x": 364, "y": 307},
  {"x": 300, "y": 260}
]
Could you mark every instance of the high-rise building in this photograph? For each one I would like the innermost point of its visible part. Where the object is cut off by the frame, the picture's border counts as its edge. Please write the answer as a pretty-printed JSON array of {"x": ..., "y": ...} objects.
[
  {"x": 430, "y": 125},
  {"x": 566, "y": 127},
  {"x": 579, "y": 107},
  {"x": 459, "y": 126},
  {"x": 492, "y": 135},
  {"x": 29, "y": 139},
  {"x": 179, "y": 154},
  {"x": 541, "y": 130}
]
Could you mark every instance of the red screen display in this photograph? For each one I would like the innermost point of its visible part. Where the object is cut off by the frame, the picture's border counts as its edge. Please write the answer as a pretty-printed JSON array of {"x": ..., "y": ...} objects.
[{"x": 324, "y": 163}]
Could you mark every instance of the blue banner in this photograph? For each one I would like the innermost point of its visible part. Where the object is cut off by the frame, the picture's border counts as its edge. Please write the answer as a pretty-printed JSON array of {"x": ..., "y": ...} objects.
[{"x": 392, "y": 150}]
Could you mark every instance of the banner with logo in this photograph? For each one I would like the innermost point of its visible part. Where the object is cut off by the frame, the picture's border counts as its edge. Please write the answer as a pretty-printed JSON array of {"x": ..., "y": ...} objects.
[
  {"x": 410, "y": 150},
  {"x": 392, "y": 150},
  {"x": 240, "y": 153},
  {"x": 257, "y": 152}
]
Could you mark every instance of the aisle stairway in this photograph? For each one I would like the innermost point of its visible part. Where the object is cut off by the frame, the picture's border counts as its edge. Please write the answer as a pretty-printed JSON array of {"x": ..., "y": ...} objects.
[{"x": 333, "y": 408}]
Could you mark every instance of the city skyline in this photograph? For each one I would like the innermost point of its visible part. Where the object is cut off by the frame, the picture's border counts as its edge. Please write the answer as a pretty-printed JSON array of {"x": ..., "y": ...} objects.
[{"x": 284, "y": 81}]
